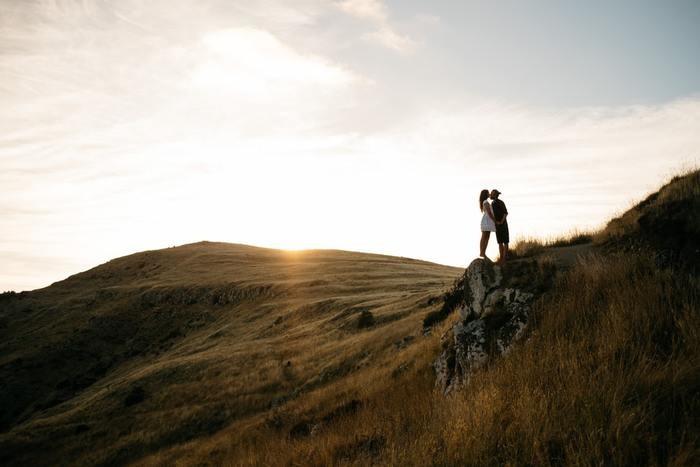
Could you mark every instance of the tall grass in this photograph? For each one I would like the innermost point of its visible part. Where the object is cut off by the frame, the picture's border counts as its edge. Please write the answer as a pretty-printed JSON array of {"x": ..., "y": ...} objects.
[
  {"x": 527, "y": 247},
  {"x": 681, "y": 195},
  {"x": 610, "y": 375}
]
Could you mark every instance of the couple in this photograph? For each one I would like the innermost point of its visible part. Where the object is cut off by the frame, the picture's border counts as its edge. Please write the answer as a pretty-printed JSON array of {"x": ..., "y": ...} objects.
[{"x": 494, "y": 220}]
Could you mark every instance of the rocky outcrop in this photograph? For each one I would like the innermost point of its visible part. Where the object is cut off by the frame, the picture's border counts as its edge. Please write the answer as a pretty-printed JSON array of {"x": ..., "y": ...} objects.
[{"x": 492, "y": 316}]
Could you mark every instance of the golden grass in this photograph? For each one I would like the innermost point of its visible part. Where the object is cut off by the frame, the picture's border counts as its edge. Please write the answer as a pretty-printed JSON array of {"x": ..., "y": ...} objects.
[
  {"x": 531, "y": 246},
  {"x": 680, "y": 192},
  {"x": 610, "y": 375},
  {"x": 200, "y": 366}
]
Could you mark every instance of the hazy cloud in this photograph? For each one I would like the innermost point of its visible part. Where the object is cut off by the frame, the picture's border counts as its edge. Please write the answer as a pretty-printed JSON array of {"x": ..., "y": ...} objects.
[
  {"x": 256, "y": 65},
  {"x": 132, "y": 125},
  {"x": 377, "y": 14}
]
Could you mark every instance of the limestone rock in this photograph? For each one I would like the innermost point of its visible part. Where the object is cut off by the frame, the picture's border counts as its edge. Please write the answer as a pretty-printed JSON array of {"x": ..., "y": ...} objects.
[
  {"x": 481, "y": 277},
  {"x": 491, "y": 318},
  {"x": 511, "y": 331}
]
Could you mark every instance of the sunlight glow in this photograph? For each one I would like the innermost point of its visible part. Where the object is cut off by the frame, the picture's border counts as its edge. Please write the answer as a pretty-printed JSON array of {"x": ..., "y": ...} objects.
[{"x": 140, "y": 125}]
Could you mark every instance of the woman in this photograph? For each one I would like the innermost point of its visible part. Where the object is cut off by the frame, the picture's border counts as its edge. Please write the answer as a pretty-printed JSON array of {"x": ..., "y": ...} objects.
[{"x": 488, "y": 222}]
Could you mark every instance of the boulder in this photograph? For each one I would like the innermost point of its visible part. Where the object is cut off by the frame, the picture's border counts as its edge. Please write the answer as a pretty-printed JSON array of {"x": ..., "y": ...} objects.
[
  {"x": 491, "y": 318},
  {"x": 481, "y": 278}
]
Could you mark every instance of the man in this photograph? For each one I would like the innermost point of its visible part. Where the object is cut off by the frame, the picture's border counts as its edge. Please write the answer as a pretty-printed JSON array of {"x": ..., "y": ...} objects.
[{"x": 500, "y": 213}]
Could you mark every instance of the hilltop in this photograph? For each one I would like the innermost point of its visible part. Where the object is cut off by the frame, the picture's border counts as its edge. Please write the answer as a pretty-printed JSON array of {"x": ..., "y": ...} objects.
[
  {"x": 666, "y": 223},
  {"x": 161, "y": 347},
  {"x": 215, "y": 353}
]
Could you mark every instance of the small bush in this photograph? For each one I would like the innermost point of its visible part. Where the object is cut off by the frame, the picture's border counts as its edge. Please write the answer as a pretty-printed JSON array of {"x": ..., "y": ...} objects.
[
  {"x": 450, "y": 300},
  {"x": 365, "y": 320},
  {"x": 135, "y": 396}
]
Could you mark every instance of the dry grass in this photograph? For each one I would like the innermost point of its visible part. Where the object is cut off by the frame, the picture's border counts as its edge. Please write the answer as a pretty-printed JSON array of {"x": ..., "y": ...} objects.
[
  {"x": 610, "y": 375},
  {"x": 142, "y": 361},
  {"x": 676, "y": 204},
  {"x": 679, "y": 196},
  {"x": 528, "y": 247},
  {"x": 143, "y": 353}
]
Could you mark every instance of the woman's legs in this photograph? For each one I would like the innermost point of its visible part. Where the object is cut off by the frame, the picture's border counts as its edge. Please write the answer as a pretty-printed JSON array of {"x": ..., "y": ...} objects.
[{"x": 484, "y": 243}]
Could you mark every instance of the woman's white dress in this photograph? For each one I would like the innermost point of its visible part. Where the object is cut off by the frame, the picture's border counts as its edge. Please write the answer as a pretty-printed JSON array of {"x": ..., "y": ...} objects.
[{"x": 487, "y": 224}]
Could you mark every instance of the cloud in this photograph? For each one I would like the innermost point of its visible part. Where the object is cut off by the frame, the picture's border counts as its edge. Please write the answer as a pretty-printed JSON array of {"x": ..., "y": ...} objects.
[
  {"x": 134, "y": 125},
  {"x": 391, "y": 40},
  {"x": 116, "y": 112},
  {"x": 91, "y": 82},
  {"x": 254, "y": 64},
  {"x": 585, "y": 163},
  {"x": 374, "y": 10},
  {"x": 377, "y": 14}
]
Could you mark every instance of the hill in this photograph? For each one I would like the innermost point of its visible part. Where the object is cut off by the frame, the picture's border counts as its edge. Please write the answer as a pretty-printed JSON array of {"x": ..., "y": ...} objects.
[
  {"x": 215, "y": 353},
  {"x": 158, "y": 348},
  {"x": 666, "y": 223},
  {"x": 607, "y": 372}
]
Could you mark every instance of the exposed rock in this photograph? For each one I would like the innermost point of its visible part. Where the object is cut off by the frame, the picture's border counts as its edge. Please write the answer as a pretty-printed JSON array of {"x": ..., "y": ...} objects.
[
  {"x": 470, "y": 345},
  {"x": 491, "y": 318},
  {"x": 481, "y": 279}
]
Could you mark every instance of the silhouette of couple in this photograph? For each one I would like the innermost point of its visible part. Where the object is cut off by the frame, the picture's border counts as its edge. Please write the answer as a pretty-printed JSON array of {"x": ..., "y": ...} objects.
[{"x": 494, "y": 220}]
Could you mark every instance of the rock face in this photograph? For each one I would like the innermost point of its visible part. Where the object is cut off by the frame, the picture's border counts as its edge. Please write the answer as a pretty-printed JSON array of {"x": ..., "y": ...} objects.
[{"x": 492, "y": 316}]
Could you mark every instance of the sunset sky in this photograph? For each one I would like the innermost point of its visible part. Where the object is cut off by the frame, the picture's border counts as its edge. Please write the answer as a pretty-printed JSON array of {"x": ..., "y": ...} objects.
[{"x": 360, "y": 124}]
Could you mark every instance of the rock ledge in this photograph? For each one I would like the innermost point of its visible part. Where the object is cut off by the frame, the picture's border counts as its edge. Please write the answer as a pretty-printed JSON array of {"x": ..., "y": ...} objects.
[{"x": 492, "y": 316}]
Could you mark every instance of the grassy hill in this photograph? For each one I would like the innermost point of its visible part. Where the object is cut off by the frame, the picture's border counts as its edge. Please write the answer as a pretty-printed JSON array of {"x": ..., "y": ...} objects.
[
  {"x": 158, "y": 348},
  {"x": 227, "y": 354}
]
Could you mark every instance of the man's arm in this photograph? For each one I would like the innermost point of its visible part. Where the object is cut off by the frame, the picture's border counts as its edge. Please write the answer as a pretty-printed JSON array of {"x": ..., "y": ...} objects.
[{"x": 505, "y": 213}]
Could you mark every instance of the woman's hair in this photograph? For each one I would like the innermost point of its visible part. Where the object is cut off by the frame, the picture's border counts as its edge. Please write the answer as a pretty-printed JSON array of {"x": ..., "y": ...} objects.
[{"x": 483, "y": 196}]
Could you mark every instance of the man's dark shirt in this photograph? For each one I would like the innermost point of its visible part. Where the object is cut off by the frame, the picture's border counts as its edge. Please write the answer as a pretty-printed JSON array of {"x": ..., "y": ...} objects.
[{"x": 499, "y": 210}]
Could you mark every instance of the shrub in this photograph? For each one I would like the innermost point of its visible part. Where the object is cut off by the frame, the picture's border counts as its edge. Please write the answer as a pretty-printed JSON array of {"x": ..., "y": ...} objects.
[
  {"x": 365, "y": 320},
  {"x": 450, "y": 300}
]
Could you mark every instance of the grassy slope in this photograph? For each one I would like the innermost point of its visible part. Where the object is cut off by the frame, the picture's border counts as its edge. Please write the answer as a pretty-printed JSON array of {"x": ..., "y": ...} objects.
[
  {"x": 157, "y": 348},
  {"x": 610, "y": 373}
]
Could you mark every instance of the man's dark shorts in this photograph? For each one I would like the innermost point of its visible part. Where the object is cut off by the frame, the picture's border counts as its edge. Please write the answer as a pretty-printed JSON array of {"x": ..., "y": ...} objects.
[{"x": 502, "y": 234}]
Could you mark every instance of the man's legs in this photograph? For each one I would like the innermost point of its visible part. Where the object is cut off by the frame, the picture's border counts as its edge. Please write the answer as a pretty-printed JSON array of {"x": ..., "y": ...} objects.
[
  {"x": 503, "y": 252},
  {"x": 502, "y": 237}
]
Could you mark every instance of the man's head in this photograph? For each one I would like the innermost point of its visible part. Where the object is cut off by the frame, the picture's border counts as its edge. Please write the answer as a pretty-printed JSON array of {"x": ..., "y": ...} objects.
[{"x": 495, "y": 193}]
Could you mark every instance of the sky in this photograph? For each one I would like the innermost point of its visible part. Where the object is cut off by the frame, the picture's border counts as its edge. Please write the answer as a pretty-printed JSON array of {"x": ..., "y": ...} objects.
[{"x": 363, "y": 125}]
